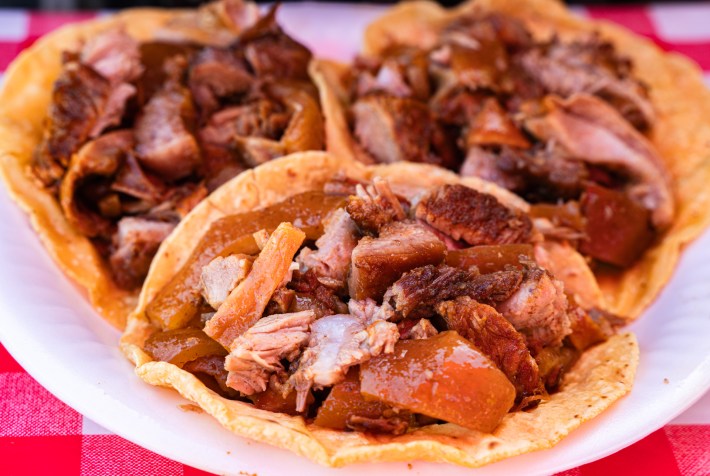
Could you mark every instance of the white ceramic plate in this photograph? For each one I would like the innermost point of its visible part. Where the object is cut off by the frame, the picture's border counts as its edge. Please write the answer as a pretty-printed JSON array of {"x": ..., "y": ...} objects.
[{"x": 49, "y": 328}]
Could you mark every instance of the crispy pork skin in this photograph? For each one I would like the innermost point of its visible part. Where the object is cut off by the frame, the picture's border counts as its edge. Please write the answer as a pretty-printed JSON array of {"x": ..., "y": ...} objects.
[
  {"x": 474, "y": 217},
  {"x": 378, "y": 262}
]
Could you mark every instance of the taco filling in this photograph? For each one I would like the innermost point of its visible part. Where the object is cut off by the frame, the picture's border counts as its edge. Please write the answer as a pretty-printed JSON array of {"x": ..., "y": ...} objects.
[
  {"x": 380, "y": 309},
  {"x": 137, "y": 133},
  {"x": 559, "y": 122}
]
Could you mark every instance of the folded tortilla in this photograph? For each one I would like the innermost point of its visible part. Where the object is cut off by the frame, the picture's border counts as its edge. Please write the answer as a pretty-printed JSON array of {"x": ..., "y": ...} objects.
[
  {"x": 681, "y": 132},
  {"x": 602, "y": 375},
  {"x": 25, "y": 97}
]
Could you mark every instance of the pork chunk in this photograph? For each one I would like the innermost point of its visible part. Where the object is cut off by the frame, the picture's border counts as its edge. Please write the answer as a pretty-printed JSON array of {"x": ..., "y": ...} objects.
[
  {"x": 496, "y": 338},
  {"x": 374, "y": 206},
  {"x": 538, "y": 309},
  {"x": 417, "y": 292},
  {"x": 134, "y": 246},
  {"x": 378, "y": 262},
  {"x": 165, "y": 143},
  {"x": 337, "y": 343},
  {"x": 475, "y": 217},
  {"x": 331, "y": 258},
  {"x": 257, "y": 353}
]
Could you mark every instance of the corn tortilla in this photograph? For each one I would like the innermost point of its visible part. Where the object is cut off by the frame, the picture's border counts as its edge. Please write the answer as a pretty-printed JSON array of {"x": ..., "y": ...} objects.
[{"x": 603, "y": 374}]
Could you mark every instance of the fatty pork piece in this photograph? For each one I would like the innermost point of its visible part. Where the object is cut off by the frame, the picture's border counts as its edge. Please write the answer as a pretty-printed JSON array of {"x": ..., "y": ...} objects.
[
  {"x": 257, "y": 353},
  {"x": 115, "y": 56},
  {"x": 538, "y": 309},
  {"x": 378, "y": 262},
  {"x": 477, "y": 218},
  {"x": 89, "y": 96},
  {"x": 496, "y": 338},
  {"x": 337, "y": 343},
  {"x": 592, "y": 131},
  {"x": 331, "y": 258},
  {"x": 375, "y": 205},
  {"x": 222, "y": 275},
  {"x": 394, "y": 129},
  {"x": 164, "y": 141},
  {"x": 78, "y": 96},
  {"x": 591, "y": 67},
  {"x": 216, "y": 73},
  {"x": 539, "y": 173},
  {"x": 134, "y": 245},
  {"x": 417, "y": 292}
]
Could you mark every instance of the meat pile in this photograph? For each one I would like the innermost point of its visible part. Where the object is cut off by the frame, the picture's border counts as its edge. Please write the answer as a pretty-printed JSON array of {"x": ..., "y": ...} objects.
[
  {"x": 381, "y": 273},
  {"x": 138, "y": 133},
  {"x": 543, "y": 119}
]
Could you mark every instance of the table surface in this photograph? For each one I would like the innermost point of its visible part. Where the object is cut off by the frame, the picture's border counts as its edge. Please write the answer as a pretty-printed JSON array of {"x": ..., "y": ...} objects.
[{"x": 41, "y": 435}]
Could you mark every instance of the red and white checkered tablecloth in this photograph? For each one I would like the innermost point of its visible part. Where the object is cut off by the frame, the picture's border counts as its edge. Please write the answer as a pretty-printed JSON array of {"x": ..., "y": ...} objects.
[{"x": 41, "y": 435}]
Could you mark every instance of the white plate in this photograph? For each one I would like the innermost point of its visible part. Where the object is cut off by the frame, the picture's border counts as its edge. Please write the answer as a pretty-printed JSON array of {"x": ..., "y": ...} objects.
[{"x": 49, "y": 328}]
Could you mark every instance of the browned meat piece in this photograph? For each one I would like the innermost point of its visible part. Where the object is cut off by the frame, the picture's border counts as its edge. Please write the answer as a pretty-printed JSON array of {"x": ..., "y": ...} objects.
[
  {"x": 134, "y": 245},
  {"x": 312, "y": 293},
  {"x": 592, "y": 131},
  {"x": 378, "y": 262},
  {"x": 78, "y": 97},
  {"x": 393, "y": 425},
  {"x": 96, "y": 161},
  {"x": 164, "y": 142},
  {"x": 331, "y": 259},
  {"x": 132, "y": 180},
  {"x": 394, "y": 129},
  {"x": 402, "y": 73},
  {"x": 258, "y": 352},
  {"x": 417, "y": 292},
  {"x": 114, "y": 55},
  {"x": 485, "y": 164},
  {"x": 456, "y": 106},
  {"x": 374, "y": 206},
  {"x": 540, "y": 173},
  {"x": 590, "y": 67},
  {"x": 477, "y": 218},
  {"x": 222, "y": 275},
  {"x": 263, "y": 118},
  {"x": 271, "y": 52},
  {"x": 215, "y": 74},
  {"x": 493, "y": 126},
  {"x": 493, "y": 335},
  {"x": 337, "y": 343},
  {"x": 210, "y": 370},
  {"x": 538, "y": 309},
  {"x": 543, "y": 173}
]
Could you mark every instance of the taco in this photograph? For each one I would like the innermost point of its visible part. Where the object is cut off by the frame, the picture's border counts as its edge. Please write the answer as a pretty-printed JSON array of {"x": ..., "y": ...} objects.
[
  {"x": 112, "y": 130},
  {"x": 576, "y": 116},
  {"x": 354, "y": 313}
]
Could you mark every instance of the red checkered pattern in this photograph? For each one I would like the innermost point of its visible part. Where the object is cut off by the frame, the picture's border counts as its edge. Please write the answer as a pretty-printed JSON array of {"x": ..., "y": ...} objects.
[{"x": 41, "y": 435}]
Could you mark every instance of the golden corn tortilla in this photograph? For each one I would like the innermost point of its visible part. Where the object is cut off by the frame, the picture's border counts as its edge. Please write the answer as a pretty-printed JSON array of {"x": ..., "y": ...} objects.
[
  {"x": 681, "y": 133},
  {"x": 603, "y": 374},
  {"x": 25, "y": 97}
]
